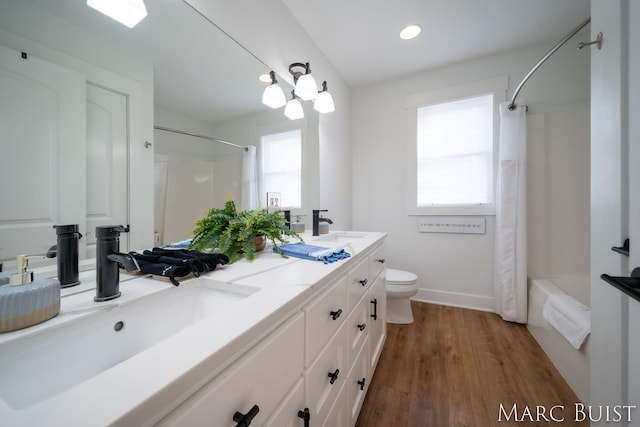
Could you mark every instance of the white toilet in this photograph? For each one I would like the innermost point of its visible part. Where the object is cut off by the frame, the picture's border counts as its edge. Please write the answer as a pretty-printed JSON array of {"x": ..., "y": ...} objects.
[{"x": 401, "y": 285}]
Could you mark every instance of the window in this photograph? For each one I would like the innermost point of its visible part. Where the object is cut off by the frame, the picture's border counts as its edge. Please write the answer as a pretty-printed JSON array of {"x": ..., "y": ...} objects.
[
  {"x": 452, "y": 150},
  {"x": 281, "y": 166}
]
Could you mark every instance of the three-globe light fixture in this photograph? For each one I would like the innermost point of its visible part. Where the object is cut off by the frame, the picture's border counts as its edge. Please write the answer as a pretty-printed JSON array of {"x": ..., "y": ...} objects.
[{"x": 305, "y": 89}]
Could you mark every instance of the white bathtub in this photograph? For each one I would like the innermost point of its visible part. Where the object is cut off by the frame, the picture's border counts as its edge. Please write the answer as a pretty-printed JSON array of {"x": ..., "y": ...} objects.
[{"x": 573, "y": 364}]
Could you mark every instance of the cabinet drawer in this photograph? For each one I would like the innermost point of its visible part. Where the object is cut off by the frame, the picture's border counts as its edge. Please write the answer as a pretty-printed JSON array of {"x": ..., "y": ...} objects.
[
  {"x": 261, "y": 377},
  {"x": 357, "y": 384},
  {"x": 339, "y": 414},
  {"x": 321, "y": 390},
  {"x": 323, "y": 317},
  {"x": 377, "y": 261},
  {"x": 286, "y": 415},
  {"x": 358, "y": 327},
  {"x": 358, "y": 283}
]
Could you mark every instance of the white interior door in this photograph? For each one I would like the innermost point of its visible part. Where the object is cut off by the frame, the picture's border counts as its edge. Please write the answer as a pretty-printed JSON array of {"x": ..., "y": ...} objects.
[
  {"x": 42, "y": 157},
  {"x": 107, "y": 163}
]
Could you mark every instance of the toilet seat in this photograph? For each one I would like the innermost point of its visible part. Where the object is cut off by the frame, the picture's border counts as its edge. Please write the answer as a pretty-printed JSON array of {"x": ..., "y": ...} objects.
[
  {"x": 400, "y": 277},
  {"x": 400, "y": 284}
]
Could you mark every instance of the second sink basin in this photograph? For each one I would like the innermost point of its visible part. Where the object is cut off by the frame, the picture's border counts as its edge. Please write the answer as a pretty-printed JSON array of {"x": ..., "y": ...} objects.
[
  {"x": 37, "y": 369},
  {"x": 342, "y": 237}
]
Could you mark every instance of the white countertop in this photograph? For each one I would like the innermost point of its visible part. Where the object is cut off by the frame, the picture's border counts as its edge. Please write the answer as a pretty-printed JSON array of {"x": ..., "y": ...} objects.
[{"x": 134, "y": 390}]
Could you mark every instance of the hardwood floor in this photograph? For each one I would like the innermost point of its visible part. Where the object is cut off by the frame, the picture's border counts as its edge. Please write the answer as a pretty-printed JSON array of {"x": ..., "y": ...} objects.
[{"x": 456, "y": 367}]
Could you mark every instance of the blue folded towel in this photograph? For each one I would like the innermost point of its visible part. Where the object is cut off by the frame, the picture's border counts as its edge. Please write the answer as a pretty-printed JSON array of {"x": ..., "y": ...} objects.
[
  {"x": 183, "y": 244},
  {"x": 315, "y": 253}
]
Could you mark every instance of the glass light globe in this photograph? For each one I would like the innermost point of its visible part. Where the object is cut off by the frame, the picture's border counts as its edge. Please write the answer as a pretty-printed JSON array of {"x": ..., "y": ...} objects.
[
  {"x": 324, "y": 103},
  {"x": 273, "y": 96},
  {"x": 306, "y": 88},
  {"x": 294, "y": 110}
]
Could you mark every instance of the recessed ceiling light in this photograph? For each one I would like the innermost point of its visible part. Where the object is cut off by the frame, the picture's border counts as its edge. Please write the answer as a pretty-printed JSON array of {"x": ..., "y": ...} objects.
[
  {"x": 410, "y": 31},
  {"x": 266, "y": 78}
]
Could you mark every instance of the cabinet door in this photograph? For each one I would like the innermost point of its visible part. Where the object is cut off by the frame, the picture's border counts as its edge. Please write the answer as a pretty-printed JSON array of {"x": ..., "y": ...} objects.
[
  {"x": 377, "y": 318},
  {"x": 261, "y": 378},
  {"x": 357, "y": 384},
  {"x": 287, "y": 414},
  {"x": 42, "y": 165},
  {"x": 321, "y": 390},
  {"x": 339, "y": 414}
]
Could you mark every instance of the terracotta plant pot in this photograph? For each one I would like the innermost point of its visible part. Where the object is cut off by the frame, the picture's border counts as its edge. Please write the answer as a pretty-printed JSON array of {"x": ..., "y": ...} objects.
[{"x": 260, "y": 242}]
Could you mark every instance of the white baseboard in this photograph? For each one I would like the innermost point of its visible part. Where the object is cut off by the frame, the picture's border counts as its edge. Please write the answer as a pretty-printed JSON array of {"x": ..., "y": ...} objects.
[{"x": 454, "y": 299}]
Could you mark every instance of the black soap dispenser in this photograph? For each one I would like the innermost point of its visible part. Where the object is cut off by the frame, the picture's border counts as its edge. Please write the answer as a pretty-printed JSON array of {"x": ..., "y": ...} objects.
[{"x": 67, "y": 254}]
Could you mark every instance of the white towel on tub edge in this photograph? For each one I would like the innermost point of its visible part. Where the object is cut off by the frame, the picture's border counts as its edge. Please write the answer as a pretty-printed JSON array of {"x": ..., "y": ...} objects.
[{"x": 569, "y": 316}]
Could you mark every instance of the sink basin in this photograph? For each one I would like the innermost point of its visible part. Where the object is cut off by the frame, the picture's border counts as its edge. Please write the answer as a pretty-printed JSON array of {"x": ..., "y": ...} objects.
[
  {"x": 341, "y": 237},
  {"x": 34, "y": 369}
]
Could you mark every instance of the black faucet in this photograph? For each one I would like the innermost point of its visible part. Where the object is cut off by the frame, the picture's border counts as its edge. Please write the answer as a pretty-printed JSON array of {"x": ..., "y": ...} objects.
[
  {"x": 287, "y": 218},
  {"x": 108, "y": 259},
  {"x": 66, "y": 252},
  {"x": 317, "y": 220}
]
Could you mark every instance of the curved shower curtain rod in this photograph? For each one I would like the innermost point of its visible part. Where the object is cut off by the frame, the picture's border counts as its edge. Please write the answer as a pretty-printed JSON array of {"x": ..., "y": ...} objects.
[
  {"x": 209, "y": 138},
  {"x": 573, "y": 32}
]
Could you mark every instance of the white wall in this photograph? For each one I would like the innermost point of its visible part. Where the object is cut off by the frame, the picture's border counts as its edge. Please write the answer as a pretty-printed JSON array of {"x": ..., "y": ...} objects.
[
  {"x": 558, "y": 192},
  {"x": 458, "y": 269}
]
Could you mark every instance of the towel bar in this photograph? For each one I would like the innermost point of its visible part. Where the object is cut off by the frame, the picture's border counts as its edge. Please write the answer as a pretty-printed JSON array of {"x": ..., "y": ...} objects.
[
  {"x": 628, "y": 285},
  {"x": 624, "y": 249}
]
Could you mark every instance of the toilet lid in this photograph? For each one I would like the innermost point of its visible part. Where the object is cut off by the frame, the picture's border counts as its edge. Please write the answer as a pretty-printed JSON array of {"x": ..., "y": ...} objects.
[{"x": 400, "y": 277}]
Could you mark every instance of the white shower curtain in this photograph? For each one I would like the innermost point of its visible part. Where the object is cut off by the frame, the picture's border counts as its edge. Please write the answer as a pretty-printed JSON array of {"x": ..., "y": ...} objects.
[
  {"x": 249, "y": 193},
  {"x": 510, "y": 281}
]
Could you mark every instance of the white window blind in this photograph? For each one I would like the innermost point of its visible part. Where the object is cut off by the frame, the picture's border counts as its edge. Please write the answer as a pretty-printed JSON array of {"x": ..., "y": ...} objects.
[
  {"x": 455, "y": 152},
  {"x": 281, "y": 166}
]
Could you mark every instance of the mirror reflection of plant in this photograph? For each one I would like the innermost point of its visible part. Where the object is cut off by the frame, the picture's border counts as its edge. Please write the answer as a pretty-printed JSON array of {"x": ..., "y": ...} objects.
[{"x": 234, "y": 232}]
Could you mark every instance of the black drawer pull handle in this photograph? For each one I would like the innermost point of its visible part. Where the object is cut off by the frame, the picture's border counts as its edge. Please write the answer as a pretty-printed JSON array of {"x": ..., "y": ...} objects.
[
  {"x": 336, "y": 314},
  {"x": 362, "y": 383},
  {"x": 362, "y": 326},
  {"x": 244, "y": 420},
  {"x": 364, "y": 282},
  {"x": 381, "y": 260},
  {"x": 333, "y": 376},
  {"x": 375, "y": 308},
  {"x": 305, "y": 415}
]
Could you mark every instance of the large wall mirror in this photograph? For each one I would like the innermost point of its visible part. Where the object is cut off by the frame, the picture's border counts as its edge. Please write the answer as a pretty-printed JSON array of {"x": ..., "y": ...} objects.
[{"x": 200, "y": 81}]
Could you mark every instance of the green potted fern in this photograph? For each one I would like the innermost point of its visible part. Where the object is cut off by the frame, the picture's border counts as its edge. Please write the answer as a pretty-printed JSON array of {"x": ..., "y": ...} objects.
[{"x": 240, "y": 233}]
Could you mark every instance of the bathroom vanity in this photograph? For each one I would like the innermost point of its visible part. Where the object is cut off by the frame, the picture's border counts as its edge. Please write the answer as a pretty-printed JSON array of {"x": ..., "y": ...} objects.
[{"x": 280, "y": 342}]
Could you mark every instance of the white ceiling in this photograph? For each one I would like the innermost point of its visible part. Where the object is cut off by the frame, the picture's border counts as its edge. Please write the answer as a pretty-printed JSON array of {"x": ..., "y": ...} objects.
[{"x": 360, "y": 37}]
